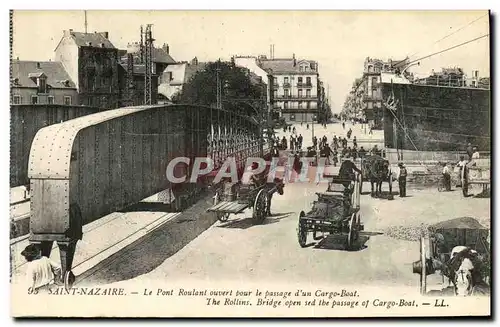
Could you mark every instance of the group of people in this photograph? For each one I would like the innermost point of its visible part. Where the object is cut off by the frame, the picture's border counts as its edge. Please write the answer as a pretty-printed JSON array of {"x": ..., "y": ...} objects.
[{"x": 472, "y": 153}]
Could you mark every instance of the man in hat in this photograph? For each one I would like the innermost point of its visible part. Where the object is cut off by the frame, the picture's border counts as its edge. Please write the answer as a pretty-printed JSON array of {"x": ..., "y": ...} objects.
[
  {"x": 402, "y": 179},
  {"x": 41, "y": 272}
]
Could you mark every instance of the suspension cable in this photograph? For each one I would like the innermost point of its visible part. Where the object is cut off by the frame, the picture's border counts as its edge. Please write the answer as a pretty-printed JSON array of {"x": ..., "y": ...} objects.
[
  {"x": 452, "y": 33},
  {"x": 448, "y": 49}
]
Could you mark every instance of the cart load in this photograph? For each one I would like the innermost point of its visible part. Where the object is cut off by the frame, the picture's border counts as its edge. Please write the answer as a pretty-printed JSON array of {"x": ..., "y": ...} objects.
[
  {"x": 335, "y": 211},
  {"x": 235, "y": 197}
]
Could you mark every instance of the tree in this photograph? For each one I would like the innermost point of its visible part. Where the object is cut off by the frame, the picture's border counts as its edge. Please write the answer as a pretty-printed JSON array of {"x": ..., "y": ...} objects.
[
  {"x": 239, "y": 91},
  {"x": 354, "y": 104}
]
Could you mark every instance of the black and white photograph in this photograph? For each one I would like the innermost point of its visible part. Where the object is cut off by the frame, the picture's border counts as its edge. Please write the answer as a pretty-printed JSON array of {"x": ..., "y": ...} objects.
[{"x": 250, "y": 163}]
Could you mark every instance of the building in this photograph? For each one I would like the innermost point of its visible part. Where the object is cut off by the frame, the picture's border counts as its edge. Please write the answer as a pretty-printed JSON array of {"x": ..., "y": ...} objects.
[
  {"x": 372, "y": 86},
  {"x": 296, "y": 87},
  {"x": 91, "y": 61},
  {"x": 161, "y": 57},
  {"x": 176, "y": 75},
  {"x": 266, "y": 76},
  {"x": 44, "y": 82},
  {"x": 131, "y": 84}
]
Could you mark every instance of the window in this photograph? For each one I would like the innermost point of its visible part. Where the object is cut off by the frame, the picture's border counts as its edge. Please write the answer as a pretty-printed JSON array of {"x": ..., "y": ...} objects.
[
  {"x": 287, "y": 93},
  {"x": 300, "y": 93},
  {"x": 301, "y": 68},
  {"x": 275, "y": 93},
  {"x": 275, "y": 81},
  {"x": 308, "y": 80},
  {"x": 285, "y": 105},
  {"x": 374, "y": 83},
  {"x": 67, "y": 100},
  {"x": 306, "y": 68},
  {"x": 300, "y": 104},
  {"x": 34, "y": 99},
  {"x": 299, "y": 80},
  {"x": 286, "y": 80},
  {"x": 308, "y": 104},
  {"x": 370, "y": 68},
  {"x": 16, "y": 99},
  {"x": 50, "y": 99},
  {"x": 308, "y": 93},
  {"x": 42, "y": 85}
]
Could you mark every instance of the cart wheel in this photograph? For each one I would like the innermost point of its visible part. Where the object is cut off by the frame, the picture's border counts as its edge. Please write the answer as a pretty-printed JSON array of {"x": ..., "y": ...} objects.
[
  {"x": 301, "y": 231},
  {"x": 223, "y": 217},
  {"x": 440, "y": 187},
  {"x": 259, "y": 207},
  {"x": 69, "y": 279},
  {"x": 353, "y": 235}
]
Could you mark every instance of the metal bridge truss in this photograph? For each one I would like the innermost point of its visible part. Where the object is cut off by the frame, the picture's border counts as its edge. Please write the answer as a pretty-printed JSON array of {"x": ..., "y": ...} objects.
[{"x": 85, "y": 168}]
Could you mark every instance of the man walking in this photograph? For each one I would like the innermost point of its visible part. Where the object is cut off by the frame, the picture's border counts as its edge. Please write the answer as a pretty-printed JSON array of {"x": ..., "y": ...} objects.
[{"x": 402, "y": 180}]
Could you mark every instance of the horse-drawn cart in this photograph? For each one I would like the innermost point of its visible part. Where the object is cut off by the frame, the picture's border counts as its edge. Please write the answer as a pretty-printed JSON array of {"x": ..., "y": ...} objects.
[
  {"x": 236, "y": 197},
  {"x": 476, "y": 172},
  {"x": 459, "y": 250},
  {"x": 335, "y": 212}
]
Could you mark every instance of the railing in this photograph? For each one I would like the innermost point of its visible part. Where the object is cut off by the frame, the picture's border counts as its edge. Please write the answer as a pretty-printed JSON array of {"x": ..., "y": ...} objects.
[
  {"x": 276, "y": 86},
  {"x": 450, "y": 82},
  {"x": 304, "y": 84},
  {"x": 286, "y": 84},
  {"x": 295, "y": 97}
]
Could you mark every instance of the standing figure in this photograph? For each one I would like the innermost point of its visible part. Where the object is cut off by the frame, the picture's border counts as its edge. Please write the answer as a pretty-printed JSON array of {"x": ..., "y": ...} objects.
[
  {"x": 446, "y": 177},
  {"x": 402, "y": 179}
]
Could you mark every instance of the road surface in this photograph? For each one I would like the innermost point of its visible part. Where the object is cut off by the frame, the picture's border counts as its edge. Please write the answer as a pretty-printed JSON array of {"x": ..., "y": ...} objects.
[{"x": 237, "y": 251}]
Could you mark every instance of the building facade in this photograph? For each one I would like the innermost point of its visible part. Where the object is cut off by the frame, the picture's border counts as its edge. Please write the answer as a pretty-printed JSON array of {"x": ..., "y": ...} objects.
[
  {"x": 296, "y": 87},
  {"x": 41, "y": 83},
  {"x": 132, "y": 85},
  {"x": 91, "y": 61},
  {"x": 372, "y": 87},
  {"x": 266, "y": 77},
  {"x": 176, "y": 75}
]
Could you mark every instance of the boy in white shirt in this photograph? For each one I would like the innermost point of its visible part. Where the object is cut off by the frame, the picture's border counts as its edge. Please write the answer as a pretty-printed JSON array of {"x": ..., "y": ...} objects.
[{"x": 41, "y": 272}]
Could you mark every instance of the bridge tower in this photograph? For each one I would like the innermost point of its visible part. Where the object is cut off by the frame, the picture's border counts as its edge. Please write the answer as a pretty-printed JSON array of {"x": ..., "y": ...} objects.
[{"x": 148, "y": 61}]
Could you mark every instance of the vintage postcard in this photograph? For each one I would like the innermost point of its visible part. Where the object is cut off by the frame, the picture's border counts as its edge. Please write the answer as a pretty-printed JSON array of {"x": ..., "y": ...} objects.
[{"x": 250, "y": 163}]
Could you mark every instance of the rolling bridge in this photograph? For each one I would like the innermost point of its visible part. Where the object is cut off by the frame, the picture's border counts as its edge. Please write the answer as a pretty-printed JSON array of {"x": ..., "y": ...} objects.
[{"x": 85, "y": 168}]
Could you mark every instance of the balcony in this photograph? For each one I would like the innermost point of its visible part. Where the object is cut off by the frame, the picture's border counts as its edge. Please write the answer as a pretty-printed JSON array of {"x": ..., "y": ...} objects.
[
  {"x": 304, "y": 85},
  {"x": 276, "y": 86},
  {"x": 296, "y": 97},
  {"x": 286, "y": 85},
  {"x": 296, "y": 109}
]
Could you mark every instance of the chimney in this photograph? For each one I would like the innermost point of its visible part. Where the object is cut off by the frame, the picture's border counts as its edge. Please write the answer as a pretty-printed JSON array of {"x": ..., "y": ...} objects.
[
  {"x": 166, "y": 48},
  {"x": 38, "y": 65},
  {"x": 105, "y": 34},
  {"x": 294, "y": 61},
  {"x": 194, "y": 61}
]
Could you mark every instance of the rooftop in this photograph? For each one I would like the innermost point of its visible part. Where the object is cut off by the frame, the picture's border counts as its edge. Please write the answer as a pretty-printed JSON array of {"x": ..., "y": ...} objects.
[
  {"x": 26, "y": 72},
  {"x": 287, "y": 65},
  {"x": 98, "y": 40}
]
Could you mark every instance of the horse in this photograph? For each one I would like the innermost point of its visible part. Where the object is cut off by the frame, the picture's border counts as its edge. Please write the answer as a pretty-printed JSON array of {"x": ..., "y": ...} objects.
[{"x": 377, "y": 170}]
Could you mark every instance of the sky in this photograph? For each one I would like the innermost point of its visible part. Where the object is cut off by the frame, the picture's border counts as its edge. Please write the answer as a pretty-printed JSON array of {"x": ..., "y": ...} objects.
[{"x": 339, "y": 40}]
